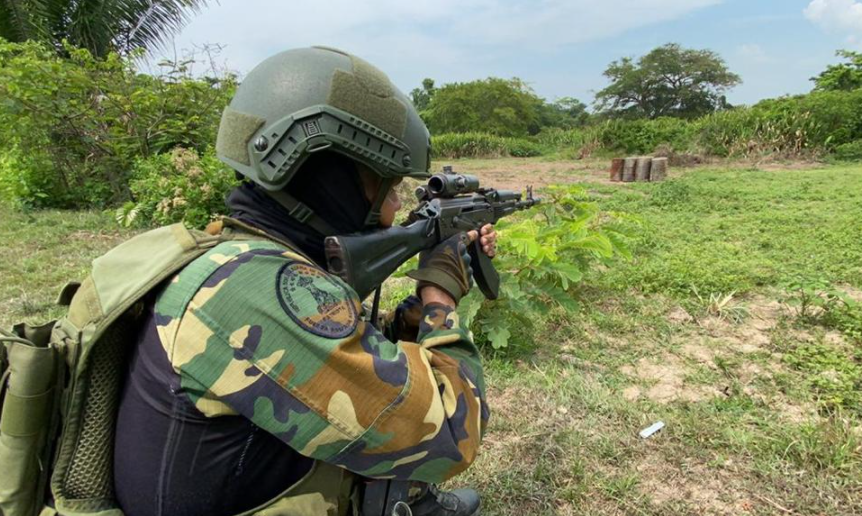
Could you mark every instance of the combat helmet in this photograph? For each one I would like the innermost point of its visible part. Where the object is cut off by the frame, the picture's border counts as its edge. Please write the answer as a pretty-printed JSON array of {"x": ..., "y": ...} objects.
[{"x": 308, "y": 100}]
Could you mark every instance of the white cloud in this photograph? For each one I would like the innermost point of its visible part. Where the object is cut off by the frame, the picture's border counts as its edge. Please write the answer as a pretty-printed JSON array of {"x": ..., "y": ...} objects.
[
  {"x": 839, "y": 16},
  {"x": 754, "y": 53},
  {"x": 447, "y": 39},
  {"x": 547, "y": 24}
]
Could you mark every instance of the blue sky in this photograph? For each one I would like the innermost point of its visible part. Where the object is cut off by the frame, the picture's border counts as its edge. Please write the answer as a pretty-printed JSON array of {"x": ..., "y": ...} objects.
[{"x": 560, "y": 47}]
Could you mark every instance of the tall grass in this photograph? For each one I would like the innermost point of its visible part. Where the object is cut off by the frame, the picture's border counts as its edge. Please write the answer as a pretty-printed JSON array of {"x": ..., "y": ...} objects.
[
  {"x": 792, "y": 127},
  {"x": 482, "y": 145}
]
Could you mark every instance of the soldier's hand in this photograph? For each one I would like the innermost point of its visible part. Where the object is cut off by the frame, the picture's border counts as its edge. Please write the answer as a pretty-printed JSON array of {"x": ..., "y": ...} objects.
[
  {"x": 488, "y": 241},
  {"x": 446, "y": 267}
]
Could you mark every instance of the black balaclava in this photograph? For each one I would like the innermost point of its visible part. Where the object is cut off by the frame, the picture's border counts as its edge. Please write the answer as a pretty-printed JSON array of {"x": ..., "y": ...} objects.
[{"x": 328, "y": 183}]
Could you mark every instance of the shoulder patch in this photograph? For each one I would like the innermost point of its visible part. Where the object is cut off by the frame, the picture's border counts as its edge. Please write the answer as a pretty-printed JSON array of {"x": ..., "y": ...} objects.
[{"x": 315, "y": 301}]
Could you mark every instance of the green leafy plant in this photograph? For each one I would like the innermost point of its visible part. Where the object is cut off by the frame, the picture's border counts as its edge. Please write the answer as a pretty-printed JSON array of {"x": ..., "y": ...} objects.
[
  {"x": 812, "y": 298},
  {"x": 542, "y": 259},
  {"x": 180, "y": 186},
  {"x": 76, "y": 125},
  {"x": 833, "y": 373},
  {"x": 849, "y": 151}
]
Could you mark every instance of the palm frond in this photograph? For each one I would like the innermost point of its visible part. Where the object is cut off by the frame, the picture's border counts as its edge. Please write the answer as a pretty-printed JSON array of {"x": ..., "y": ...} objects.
[
  {"x": 149, "y": 23},
  {"x": 22, "y": 20},
  {"x": 101, "y": 26}
]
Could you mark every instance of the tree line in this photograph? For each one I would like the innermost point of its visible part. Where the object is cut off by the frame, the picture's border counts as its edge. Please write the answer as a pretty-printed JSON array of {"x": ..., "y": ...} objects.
[
  {"x": 669, "y": 81},
  {"x": 81, "y": 126}
]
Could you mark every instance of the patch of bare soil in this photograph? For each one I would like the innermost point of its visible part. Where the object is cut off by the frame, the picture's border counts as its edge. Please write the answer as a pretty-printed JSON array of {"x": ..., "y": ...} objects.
[
  {"x": 667, "y": 379},
  {"x": 789, "y": 165},
  {"x": 715, "y": 338},
  {"x": 854, "y": 293},
  {"x": 711, "y": 491},
  {"x": 515, "y": 174},
  {"x": 753, "y": 333},
  {"x": 679, "y": 316}
]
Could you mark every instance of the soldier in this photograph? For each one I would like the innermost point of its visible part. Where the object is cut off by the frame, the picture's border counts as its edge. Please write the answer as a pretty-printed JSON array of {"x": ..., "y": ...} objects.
[{"x": 255, "y": 384}]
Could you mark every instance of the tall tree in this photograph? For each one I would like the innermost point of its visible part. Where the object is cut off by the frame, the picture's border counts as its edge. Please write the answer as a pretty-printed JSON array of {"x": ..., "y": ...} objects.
[
  {"x": 100, "y": 26},
  {"x": 668, "y": 81},
  {"x": 497, "y": 106},
  {"x": 565, "y": 113},
  {"x": 421, "y": 97},
  {"x": 843, "y": 76}
]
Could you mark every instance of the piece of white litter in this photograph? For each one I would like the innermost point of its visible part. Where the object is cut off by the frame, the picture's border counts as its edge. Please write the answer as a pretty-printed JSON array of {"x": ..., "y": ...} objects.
[{"x": 651, "y": 430}]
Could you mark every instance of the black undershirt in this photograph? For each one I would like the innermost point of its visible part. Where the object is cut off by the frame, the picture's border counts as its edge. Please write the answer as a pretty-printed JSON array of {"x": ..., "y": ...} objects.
[{"x": 171, "y": 460}]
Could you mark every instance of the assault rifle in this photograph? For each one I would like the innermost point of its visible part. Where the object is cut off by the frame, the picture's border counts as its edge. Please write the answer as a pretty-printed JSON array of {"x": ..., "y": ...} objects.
[{"x": 449, "y": 204}]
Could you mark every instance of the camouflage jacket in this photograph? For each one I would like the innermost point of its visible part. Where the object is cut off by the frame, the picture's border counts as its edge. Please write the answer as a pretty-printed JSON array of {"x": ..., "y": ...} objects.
[{"x": 257, "y": 330}]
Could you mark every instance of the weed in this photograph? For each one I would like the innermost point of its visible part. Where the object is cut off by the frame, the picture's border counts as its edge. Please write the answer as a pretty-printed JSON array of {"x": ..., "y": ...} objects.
[
  {"x": 835, "y": 374},
  {"x": 720, "y": 305}
]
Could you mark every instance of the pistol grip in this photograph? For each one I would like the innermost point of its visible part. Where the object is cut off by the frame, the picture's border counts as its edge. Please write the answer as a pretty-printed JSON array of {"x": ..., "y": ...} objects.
[{"x": 484, "y": 273}]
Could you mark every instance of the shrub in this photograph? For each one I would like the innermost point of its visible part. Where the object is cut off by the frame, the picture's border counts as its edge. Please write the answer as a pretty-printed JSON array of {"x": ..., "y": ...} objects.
[
  {"x": 180, "y": 186},
  {"x": 76, "y": 125},
  {"x": 26, "y": 181},
  {"x": 849, "y": 151},
  {"x": 481, "y": 145},
  {"x": 542, "y": 260},
  {"x": 497, "y": 106}
]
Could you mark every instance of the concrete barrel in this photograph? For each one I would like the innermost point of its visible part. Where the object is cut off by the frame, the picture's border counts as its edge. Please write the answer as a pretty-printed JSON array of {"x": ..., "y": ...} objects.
[
  {"x": 629, "y": 169},
  {"x": 658, "y": 172},
  {"x": 617, "y": 169},
  {"x": 642, "y": 168}
]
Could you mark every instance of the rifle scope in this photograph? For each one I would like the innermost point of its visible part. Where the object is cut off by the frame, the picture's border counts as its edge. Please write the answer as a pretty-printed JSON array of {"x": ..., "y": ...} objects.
[{"x": 450, "y": 185}]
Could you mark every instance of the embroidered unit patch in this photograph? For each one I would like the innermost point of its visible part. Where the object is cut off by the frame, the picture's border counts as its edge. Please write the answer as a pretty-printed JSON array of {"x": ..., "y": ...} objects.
[{"x": 315, "y": 301}]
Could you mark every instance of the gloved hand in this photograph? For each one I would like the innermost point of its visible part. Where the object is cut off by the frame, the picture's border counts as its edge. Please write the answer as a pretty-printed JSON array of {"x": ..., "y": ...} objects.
[{"x": 446, "y": 266}]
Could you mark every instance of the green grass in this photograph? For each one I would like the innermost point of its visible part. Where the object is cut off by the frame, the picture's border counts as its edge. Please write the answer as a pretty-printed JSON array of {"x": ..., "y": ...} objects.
[
  {"x": 761, "y": 406},
  {"x": 738, "y": 230},
  {"x": 42, "y": 251}
]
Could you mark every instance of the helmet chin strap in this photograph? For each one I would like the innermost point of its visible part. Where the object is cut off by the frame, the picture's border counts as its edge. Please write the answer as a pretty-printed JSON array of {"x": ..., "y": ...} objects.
[
  {"x": 305, "y": 215},
  {"x": 373, "y": 218},
  {"x": 301, "y": 212}
]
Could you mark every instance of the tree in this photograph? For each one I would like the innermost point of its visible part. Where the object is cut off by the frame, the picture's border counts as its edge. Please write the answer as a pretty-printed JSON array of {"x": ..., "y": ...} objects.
[
  {"x": 668, "y": 81},
  {"x": 841, "y": 77},
  {"x": 565, "y": 113},
  {"x": 497, "y": 106},
  {"x": 421, "y": 97},
  {"x": 100, "y": 27}
]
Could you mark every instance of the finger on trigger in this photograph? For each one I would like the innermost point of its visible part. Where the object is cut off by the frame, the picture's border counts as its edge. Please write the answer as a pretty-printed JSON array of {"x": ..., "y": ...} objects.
[{"x": 472, "y": 235}]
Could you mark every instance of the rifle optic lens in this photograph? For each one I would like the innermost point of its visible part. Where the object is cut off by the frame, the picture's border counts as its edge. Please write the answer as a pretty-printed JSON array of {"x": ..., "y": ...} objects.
[{"x": 444, "y": 185}]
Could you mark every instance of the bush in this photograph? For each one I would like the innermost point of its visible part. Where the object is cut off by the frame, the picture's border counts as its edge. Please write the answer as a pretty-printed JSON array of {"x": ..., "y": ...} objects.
[
  {"x": 542, "y": 260},
  {"x": 849, "y": 151},
  {"x": 497, "y": 106},
  {"x": 179, "y": 186},
  {"x": 481, "y": 145},
  {"x": 26, "y": 181},
  {"x": 800, "y": 126},
  {"x": 75, "y": 126}
]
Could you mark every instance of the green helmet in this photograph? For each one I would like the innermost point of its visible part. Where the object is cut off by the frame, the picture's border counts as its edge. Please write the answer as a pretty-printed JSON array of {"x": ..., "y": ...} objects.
[{"x": 312, "y": 99}]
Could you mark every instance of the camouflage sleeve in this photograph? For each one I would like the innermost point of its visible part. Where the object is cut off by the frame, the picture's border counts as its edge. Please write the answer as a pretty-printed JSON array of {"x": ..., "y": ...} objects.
[
  {"x": 280, "y": 341},
  {"x": 403, "y": 322}
]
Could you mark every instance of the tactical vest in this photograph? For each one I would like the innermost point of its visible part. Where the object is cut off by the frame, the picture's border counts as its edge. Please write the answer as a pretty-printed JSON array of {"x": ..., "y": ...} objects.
[{"x": 60, "y": 386}]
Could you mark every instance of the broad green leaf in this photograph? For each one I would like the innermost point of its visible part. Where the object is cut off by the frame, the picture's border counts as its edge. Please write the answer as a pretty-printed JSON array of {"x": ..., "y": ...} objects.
[{"x": 499, "y": 336}]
